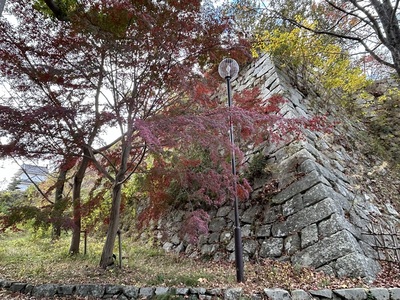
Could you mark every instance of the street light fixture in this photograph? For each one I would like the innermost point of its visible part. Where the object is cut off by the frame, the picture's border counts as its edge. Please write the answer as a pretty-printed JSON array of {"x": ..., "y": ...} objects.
[{"x": 228, "y": 69}]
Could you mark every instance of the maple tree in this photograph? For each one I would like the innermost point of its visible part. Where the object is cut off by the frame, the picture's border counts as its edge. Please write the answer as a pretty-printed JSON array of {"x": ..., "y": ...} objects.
[
  {"x": 108, "y": 64},
  {"x": 135, "y": 67},
  {"x": 47, "y": 114}
]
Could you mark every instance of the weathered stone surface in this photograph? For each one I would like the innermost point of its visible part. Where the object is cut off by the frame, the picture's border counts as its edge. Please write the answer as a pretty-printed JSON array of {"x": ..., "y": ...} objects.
[
  {"x": 130, "y": 291},
  {"x": 217, "y": 224},
  {"x": 226, "y": 236},
  {"x": 271, "y": 214},
  {"x": 66, "y": 289},
  {"x": 309, "y": 235},
  {"x": 90, "y": 290},
  {"x": 247, "y": 230},
  {"x": 317, "y": 214},
  {"x": 215, "y": 292},
  {"x": 352, "y": 294},
  {"x": 299, "y": 186},
  {"x": 146, "y": 292},
  {"x": 167, "y": 246},
  {"x": 308, "y": 166},
  {"x": 113, "y": 289},
  {"x": 327, "y": 250},
  {"x": 292, "y": 244},
  {"x": 233, "y": 293},
  {"x": 272, "y": 247},
  {"x": 379, "y": 293},
  {"x": 318, "y": 193},
  {"x": 250, "y": 246},
  {"x": 305, "y": 217},
  {"x": 356, "y": 265},
  {"x": 224, "y": 211},
  {"x": 300, "y": 295},
  {"x": 17, "y": 287},
  {"x": 250, "y": 214},
  {"x": 28, "y": 289},
  {"x": 214, "y": 237},
  {"x": 198, "y": 290},
  {"x": 231, "y": 245},
  {"x": 324, "y": 293},
  {"x": 182, "y": 291},
  {"x": 263, "y": 231},
  {"x": 327, "y": 269},
  {"x": 293, "y": 205},
  {"x": 209, "y": 249},
  {"x": 277, "y": 294},
  {"x": 161, "y": 290},
  {"x": 394, "y": 293},
  {"x": 44, "y": 290},
  {"x": 336, "y": 223}
]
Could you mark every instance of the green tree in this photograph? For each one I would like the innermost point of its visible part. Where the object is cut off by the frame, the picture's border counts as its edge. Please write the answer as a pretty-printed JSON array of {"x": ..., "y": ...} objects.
[
  {"x": 373, "y": 25},
  {"x": 317, "y": 62}
]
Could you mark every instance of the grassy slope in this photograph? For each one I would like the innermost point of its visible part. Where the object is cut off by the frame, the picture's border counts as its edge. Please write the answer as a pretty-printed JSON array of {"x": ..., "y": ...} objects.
[{"x": 38, "y": 260}]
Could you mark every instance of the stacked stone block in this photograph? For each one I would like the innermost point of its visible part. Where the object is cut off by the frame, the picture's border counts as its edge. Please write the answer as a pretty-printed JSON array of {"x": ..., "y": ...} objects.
[{"x": 305, "y": 210}]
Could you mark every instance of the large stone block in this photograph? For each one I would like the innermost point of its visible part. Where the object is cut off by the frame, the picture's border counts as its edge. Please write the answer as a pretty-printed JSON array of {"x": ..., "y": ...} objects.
[
  {"x": 317, "y": 193},
  {"x": 271, "y": 248},
  {"x": 293, "y": 205},
  {"x": 352, "y": 294},
  {"x": 356, "y": 265},
  {"x": 44, "y": 290},
  {"x": 309, "y": 235},
  {"x": 88, "y": 290},
  {"x": 250, "y": 247},
  {"x": 217, "y": 224},
  {"x": 251, "y": 214},
  {"x": 327, "y": 250},
  {"x": 263, "y": 231},
  {"x": 379, "y": 293},
  {"x": 299, "y": 186},
  {"x": 292, "y": 244},
  {"x": 277, "y": 294},
  {"x": 305, "y": 217},
  {"x": 335, "y": 223},
  {"x": 272, "y": 214}
]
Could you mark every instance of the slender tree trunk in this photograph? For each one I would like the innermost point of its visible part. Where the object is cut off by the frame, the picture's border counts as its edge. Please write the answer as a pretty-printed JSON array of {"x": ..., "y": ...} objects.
[
  {"x": 59, "y": 203},
  {"x": 107, "y": 254},
  {"x": 76, "y": 205}
]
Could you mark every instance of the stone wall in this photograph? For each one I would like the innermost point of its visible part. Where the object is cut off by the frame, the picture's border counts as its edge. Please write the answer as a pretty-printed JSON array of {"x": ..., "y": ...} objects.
[
  {"x": 93, "y": 291},
  {"x": 306, "y": 204}
]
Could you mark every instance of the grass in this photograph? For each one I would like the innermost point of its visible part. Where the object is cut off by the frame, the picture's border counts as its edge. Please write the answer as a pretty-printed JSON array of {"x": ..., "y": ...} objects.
[
  {"x": 33, "y": 259},
  {"x": 36, "y": 259}
]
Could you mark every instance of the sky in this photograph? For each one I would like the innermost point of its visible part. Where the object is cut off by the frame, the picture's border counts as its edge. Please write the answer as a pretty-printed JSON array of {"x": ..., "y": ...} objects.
[{"x": 7, "y": 170}]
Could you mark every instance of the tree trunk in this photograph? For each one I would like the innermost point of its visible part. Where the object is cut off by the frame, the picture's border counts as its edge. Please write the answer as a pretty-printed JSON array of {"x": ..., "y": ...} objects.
[
  {"x": 107, "y": 254},
  {"x": 59, "y": 203},
  {"x": 76, "y": 205}
]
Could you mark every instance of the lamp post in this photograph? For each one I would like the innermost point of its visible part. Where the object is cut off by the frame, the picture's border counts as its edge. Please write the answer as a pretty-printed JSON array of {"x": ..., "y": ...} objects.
[
  {"x": 2, "y": 4},
  {"x": 227, "y": 69}
]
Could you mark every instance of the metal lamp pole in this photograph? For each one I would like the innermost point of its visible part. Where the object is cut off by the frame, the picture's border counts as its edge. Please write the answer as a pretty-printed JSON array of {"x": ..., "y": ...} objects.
[
  {"x": 2, "y": 4},
  {"x": 229, "y": 68}
]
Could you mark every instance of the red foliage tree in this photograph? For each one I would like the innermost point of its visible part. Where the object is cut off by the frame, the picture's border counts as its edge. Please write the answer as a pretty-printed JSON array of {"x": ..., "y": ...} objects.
[
  {"x": 192, "y": 170},
  {"x": 105, "y": 65}
]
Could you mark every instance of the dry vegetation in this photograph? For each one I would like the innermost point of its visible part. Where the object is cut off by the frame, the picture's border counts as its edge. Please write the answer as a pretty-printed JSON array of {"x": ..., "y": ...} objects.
[{"x": 37, "y": 260}]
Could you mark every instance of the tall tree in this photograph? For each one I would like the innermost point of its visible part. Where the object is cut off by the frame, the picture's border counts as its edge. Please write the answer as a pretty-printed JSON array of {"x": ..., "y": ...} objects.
[
  {"x": 107, "y": 64},
  {"x": 372, "y": 24},
  {"x": 53, "y": 76}
]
